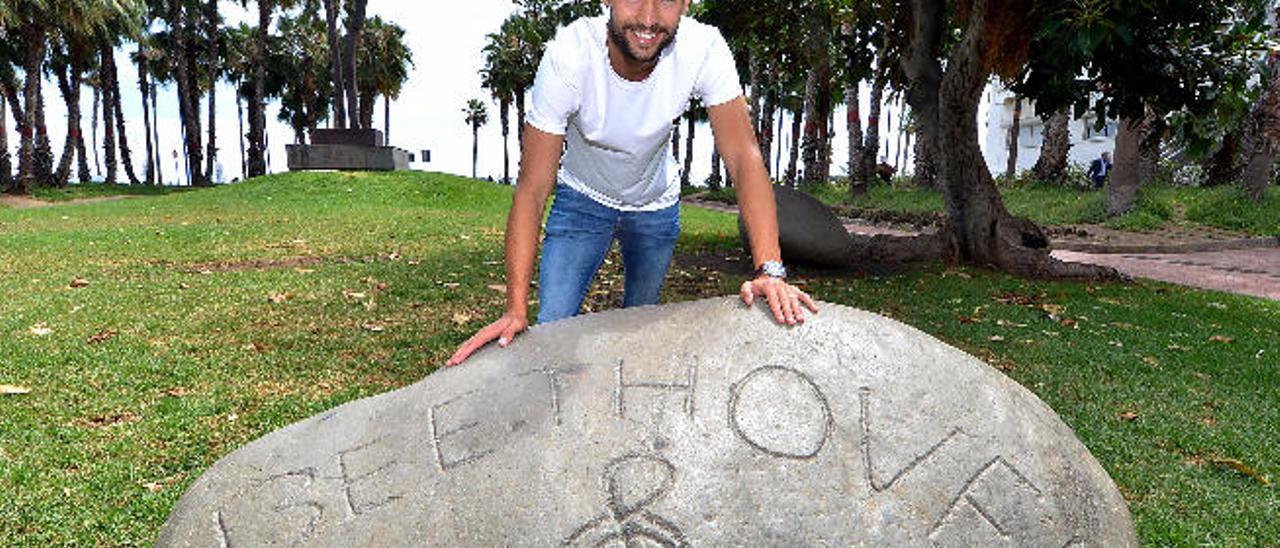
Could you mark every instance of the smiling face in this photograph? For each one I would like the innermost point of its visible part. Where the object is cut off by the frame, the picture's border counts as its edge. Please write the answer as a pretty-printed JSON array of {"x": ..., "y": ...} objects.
[{"x": 639, "y": 30}]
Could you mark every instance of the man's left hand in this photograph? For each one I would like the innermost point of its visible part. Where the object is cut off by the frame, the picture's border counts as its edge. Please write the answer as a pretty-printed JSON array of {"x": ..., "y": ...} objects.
[{"x": 786, "y": 301}]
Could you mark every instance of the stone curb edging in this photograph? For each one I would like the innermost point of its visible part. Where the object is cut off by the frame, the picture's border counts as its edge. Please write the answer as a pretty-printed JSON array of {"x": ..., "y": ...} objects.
[
  {"x": 1093, "y": 247},
  {"x": 1187, "y": 247}
]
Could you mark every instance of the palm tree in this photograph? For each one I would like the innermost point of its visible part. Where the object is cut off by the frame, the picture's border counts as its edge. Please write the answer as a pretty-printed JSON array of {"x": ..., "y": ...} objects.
[
  {"x": 476, "y": 115},
  {"x": 502, "y": 56},
  {"x": 297, "y": 75},
  {"x": 188, "y": 102},
  {"x": 385, "y": 60},
  {"x": 336, "y": 73},
  {"x": 355, "y": 26}
]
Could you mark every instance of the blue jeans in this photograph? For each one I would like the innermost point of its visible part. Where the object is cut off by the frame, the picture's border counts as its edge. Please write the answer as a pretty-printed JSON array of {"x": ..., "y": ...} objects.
[{"x": 578, "y": 234}]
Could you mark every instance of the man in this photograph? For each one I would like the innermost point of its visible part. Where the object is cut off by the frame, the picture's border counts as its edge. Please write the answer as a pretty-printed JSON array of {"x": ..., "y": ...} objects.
[
  {"x": 1099, "y": 169},
  {"x": 608, "y": 87}
]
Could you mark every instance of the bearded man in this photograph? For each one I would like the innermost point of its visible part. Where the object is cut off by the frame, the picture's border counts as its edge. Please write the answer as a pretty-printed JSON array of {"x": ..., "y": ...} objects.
[{"x": 604, "y": 99}]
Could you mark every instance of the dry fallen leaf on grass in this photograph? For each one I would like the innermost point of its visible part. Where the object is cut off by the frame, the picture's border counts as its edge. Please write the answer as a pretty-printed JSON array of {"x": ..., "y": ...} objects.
[
  {"x": 41, "y": 329},
  {"x": 176, "y": 392},
  {"x": 304, "y": 270},
  {"x": 1128, "y": 416},
  {"x": 498, "y": 288},
  {"x": 1242, "y": 468},
  {"x": 374, "y": 328},
  {"x": 278, "y": 298},
  {"x": 461, "y": 318},
  {"x": 78, "y": 282},
  {"x": 353, "y": 295},
  {"x": 1007, "y": 323},
  {"x": 995, "y": 338},
  {"x": 1220, "y": 339},
  {"x": 101, "y": 336},
  {"x": 13, "y": 390}
]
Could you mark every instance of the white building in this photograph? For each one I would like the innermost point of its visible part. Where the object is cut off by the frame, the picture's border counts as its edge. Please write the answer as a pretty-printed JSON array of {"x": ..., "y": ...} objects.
[{"x": 1087, "y": 143}]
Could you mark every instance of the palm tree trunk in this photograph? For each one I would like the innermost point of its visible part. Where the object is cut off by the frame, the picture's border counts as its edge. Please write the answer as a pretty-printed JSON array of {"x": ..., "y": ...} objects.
[
  {"x": 97, "y": 100},
  {"x": 34, "y": 37},
  {"x": 475, "y": 148},
  {"x": 335, "y": 63},
  {"x": 44, "y": 150},
  {"x": 155, "y": 137},
  {"x": 108, "y": 126},
  {"x": 211, "y": 147},
  {"x": 504, "y": 116},
  {"x": 244, "y": 163},
  {"x": 688, "y": 148},
  {"x": 857, "y": 177},
  {"x": 817, "y": 110},
  {"x": 386, "y": 119},
  {"x": 777, "y": 154},
  {"x": 126, "y": 158},
  {"x": 871, "y": 143},
  {"x": 1052, "y": 164},
  {"x": 355, "y": 25},
  {"x": 144, "y": 89},
  {"x": 71, "y": 95},
  {"x": 766, "y": 129},
  {"x": 187, "y": 107},
  {"x": 211, "y": 34},
  {"x": 519, "y": 93},
  {"x": 257, "y": 104},
  {"x": 6, "y": 163},
  {"x": 366, "y": 109},
  {"x": 675, "y": 140},
  {"x": 714, "y": 180},
  {"x": 1011, "y": 142}
]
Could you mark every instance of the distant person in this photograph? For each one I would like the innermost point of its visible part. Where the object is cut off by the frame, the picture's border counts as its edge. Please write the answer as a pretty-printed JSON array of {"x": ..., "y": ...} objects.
[
  {"x": 1099, "y": 169},
  {"x": 609, "y": 86}
]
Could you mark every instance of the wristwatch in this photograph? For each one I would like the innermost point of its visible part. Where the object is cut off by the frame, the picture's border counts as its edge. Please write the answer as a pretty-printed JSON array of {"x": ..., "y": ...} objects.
[{"x": 772, "y": 269}]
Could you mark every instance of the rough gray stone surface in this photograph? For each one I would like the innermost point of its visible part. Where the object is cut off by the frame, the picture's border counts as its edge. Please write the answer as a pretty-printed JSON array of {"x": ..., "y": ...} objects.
[
  {"x": 700, "y": 423},
  {"x": 809, "y": 233},
  {"x": 348, "y": 157}
]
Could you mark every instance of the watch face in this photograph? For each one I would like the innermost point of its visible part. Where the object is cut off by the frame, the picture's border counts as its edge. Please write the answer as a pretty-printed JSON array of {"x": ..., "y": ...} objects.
[{"x": 774, "y": 269}]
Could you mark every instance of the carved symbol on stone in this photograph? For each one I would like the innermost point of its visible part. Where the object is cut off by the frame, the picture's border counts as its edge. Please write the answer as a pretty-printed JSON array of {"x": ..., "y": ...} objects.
[
  {"x": 966, "y": 497},
  {"x": 351, "y": 480},
  {"x": 688, "y": 387},
  {"x": 438, "y": 436},
  {"x": 553, "y": 382},
  {"x": 781, "y": 412},
  {"x": 632, "y": 483},
  {"x": 864, "y": 398},
  {"x": 284, "y": 514}
]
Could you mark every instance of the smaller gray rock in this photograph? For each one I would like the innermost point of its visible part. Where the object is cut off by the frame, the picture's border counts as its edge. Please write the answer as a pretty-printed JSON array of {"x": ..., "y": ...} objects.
[{"x": 808, "y": 232}]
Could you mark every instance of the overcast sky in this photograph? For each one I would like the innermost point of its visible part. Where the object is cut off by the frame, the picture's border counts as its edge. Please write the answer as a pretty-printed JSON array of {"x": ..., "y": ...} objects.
[{"x": 446, "y": 39}]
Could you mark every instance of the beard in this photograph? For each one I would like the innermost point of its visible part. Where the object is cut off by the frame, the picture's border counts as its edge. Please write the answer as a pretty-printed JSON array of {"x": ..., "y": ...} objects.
[{"x": 619, "y": 38}]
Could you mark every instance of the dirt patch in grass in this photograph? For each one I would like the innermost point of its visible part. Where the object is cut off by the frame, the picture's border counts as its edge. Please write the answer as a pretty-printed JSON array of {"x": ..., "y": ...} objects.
[
  {"x": 24, "y": 202},
  {"x": 255, "y": 264}
]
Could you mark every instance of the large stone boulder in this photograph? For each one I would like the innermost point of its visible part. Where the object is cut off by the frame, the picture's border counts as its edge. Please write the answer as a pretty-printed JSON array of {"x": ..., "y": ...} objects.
[
  {"x": 809, "y": 233},
  {"x": 701, "y": 423}
]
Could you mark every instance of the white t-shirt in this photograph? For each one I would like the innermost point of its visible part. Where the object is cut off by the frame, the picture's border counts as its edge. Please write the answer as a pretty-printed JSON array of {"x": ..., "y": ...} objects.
[{"x": 618, "y": 132}]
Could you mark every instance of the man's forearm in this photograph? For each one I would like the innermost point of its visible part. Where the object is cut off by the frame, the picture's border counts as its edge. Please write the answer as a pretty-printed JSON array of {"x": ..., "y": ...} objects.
[
  {"x": 523, "y": 227},
  {"x": 757, "y": 206}
]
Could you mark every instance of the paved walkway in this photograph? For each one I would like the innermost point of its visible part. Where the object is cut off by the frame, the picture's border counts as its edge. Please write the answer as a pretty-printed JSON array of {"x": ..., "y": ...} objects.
[
  {"x": 1210, "y": 259},
  {"x": 24, "y": 202}
]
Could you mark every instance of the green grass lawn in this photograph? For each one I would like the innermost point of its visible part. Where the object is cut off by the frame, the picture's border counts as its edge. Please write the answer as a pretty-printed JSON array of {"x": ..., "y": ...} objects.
[{"x": 160, "y": 333}]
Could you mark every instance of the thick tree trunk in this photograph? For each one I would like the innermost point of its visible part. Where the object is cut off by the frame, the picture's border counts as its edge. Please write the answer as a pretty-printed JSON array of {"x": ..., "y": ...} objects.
[
  {"x": 981, "y": 229},
  {"x": 113, "y": 84},
  {"x": 924, "y": 72},
  {"x": 1264, "y": 133},
  {"x": 793, "y": 161},
  {"x": 1052, "y": 164},
  {"x": 71, "y": 95},
  {"x": 355, "y": 25},
  {"x": 1122, "y": 189},
  {"x": 257, "y": 104},
  {"x": 386, "y": 119},
  {"x": 335, "y": 63},
  {"x": 44, "y": 149},
  {"x": 688, "y": 148},
  {"x": 1011, "y": 166},
  {"x": 145, "y": 89},
  {"x": 755, "y": 70}
]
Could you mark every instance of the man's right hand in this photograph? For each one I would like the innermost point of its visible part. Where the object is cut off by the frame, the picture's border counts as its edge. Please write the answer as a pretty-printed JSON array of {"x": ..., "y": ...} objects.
[{"x": 504, "y": 330}]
